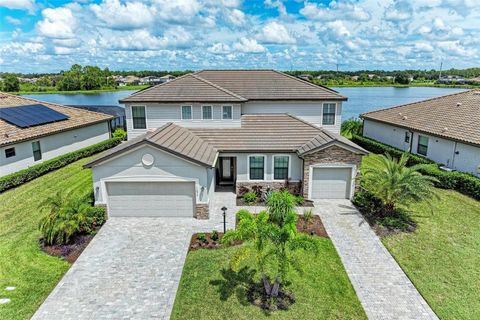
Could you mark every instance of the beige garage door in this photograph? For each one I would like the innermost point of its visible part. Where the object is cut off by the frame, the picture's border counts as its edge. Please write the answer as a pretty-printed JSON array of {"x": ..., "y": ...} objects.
[
  {"x": 331, "y": 183},
  {"x": 151, "y": 199}
]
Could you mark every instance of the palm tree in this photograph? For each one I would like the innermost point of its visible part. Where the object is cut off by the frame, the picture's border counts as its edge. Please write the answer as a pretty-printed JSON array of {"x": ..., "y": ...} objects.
[
  {"x": 64, "y": 218},
  {"x": 394, "y": 183},
  {"x": 273, "y": 239},
  {"x": 352, "y": 126}
]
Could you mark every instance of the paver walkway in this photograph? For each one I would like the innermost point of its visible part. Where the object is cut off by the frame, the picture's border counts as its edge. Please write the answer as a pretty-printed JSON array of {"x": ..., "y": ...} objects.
[
  {"x": 131, "y": 269},
  {"x": 381, "y": 285}
]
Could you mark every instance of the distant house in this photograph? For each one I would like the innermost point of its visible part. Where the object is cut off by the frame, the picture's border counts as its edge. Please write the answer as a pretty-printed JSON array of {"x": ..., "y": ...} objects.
[
  {"x": 451, "y": 80},
  {"x": 305, "y": 76},
  {"x": 33, "y": 131},
  {"x": 167, "y": 77},
  {"x": 445, "y": 129}
]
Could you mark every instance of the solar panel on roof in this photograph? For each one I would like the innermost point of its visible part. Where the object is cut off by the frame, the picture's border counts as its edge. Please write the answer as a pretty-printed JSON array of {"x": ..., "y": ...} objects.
[{"x": 30, "y": 115}]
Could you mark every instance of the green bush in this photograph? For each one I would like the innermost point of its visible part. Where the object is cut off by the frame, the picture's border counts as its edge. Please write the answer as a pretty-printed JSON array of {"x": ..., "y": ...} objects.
[
  {"x": 17, "y": 178},
  {"x": 381, "y": 148},
  {"x": 460, "y": 181},
  {"x": 120, "y": 134},
  {"x": 299, "y": 200},
  {"x": 67, "y": 217},
  {"x": 250, "y": 197},
  {"x": 202, "y": 237},
  {"x": 214, "y": 235}
]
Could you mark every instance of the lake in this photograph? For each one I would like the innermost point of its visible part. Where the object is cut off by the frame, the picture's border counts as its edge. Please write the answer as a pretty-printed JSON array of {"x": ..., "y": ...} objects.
[{"x": 360, "y": 99}]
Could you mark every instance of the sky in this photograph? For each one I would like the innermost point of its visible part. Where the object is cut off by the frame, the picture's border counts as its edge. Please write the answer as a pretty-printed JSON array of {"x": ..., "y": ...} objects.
[{"x": 49, "y": 36}]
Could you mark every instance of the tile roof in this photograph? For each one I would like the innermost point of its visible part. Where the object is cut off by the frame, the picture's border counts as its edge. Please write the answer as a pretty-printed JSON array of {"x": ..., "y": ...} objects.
[
  {"x": 262, "y": 133},
  {"x": 10, "y": 133},
  {"x": 234, "y": 86},
  {"x": 187, "y": 88},
  {"x": 455, "y": 116}
]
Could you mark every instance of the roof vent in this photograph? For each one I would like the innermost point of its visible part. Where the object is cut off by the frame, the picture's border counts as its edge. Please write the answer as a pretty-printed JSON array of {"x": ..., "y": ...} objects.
[
  {"x": 459, "y": 104},
  {"x": 405, "y": 118},
  {"x": 400, "y": 114},
  {"x": 445, "y": 129}
]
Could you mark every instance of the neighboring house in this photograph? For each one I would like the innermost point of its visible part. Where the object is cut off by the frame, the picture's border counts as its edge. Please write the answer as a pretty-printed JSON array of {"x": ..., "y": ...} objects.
[
  {"x": 117, "y": 113},
  {"x": 234, "y": 128},
  {"x": 445, "y": 129},
  {"x": 33, "y": 131}
]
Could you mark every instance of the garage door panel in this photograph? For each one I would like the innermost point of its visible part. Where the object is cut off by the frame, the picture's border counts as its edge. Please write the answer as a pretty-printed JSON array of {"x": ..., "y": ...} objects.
[
  {"x": 151, "y": 199},
  {"x": 331, "y": 183}
]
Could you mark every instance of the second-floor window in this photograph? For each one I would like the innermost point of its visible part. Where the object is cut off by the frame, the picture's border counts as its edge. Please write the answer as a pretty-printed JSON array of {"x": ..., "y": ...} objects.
[
  {"x": 207, "y": 112},
  {"x": 328, "y": 117},
  {"x": 227, "y": 112},
  {"x": 422, "y": 147},
  {"x": 138, "y": 117},
  {"x": 186, "y": 112},
  {"x": 10, "y": 152}
]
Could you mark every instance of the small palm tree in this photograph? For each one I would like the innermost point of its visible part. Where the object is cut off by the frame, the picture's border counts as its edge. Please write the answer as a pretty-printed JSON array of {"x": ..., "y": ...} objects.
[
  {"x": 273, "y": 239},
  {"x": 64, "y": 218},
  {"x": 352, "y": 126},
  {"x": 394, "y": 183}
]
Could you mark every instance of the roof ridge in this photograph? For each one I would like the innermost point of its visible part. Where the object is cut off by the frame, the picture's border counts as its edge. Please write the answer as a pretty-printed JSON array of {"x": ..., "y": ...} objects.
[
  {"x": 218, "y": 87},
  {"x": 309, "y": 83},
  {"x": 416, "y": 102},
  {"x": 155, "y": 86}
]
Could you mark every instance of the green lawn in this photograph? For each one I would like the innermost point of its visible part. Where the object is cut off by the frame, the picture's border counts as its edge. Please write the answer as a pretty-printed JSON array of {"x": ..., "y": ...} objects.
[
  {"x": 22, "y": 263},
  {"x": 442, "y": 257},
  {"x": 208, "y": 290}
]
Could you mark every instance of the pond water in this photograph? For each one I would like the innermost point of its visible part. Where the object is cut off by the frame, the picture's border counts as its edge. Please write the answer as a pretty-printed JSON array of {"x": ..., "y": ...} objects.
[{"x": 360, "y": 99}]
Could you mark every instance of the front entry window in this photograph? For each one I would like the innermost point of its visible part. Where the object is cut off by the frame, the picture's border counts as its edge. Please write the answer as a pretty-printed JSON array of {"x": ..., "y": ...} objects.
[{"x": 257, "y": 167}]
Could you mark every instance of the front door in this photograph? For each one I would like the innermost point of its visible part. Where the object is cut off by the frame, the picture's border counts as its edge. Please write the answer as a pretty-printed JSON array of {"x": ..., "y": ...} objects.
[{"x": 226, "y": 170}]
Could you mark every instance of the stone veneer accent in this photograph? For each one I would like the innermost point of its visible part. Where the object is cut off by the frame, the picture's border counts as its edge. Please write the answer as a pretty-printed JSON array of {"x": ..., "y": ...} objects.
[
  {"x": 202, "y": 211},
  {"x": 293, "y": 187},
  {"x": 333, "y": 154}
]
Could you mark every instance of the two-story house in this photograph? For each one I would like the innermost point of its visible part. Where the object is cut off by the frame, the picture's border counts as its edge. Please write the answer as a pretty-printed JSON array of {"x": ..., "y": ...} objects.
[{"x": 213, "y": 128}]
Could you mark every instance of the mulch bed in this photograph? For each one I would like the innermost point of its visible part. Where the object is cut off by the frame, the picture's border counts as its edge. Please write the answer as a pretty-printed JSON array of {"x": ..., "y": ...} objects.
[
  {"x": 256, "y": 296},
  {"x": 207, "y": 243},
  {"x": 314, "y": 227},
  {"x": 70, "y": 252},
  {"x": 241, "y": 203}
]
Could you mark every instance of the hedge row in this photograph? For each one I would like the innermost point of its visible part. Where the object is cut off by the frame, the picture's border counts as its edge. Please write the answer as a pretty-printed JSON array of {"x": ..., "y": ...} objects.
[
  {"x": 380, "y": 148},
  {"x": 17, "y": 178},
  {"x": 460, "y": 181}
]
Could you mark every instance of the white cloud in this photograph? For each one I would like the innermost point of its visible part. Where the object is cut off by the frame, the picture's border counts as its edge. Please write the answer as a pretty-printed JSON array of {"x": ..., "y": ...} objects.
[
  {"x": 249, "y": 46},
  {"x": 57, "y": 23},
  {"x": 63, "y": 50},
  {"x": 335, "y": 10},
  {"x": 115, "y": 15},
  {"x": 275, "y": 33},
  {"x": 235, "y": 17},
  {"x": 339, "y": 29},
  {"x": 423, "y": 47},
  {"x": 455, "y": 48},
  {"x": 219, "y": 48},
  {"x": 180, "y": 11},
  {"x": 28, "y": 5},
  {"x": 282, "y": 10},
  {"x": 13, "y": 21}
]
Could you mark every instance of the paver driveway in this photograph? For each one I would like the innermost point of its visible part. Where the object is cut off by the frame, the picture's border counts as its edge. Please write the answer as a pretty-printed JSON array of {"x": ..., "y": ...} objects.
[
  {"x": 130, "y": 270},
  {"x": 382, "y": 287}
]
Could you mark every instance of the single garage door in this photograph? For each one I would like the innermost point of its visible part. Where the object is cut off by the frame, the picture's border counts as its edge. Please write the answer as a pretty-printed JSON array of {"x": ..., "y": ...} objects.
[
  {"x": 331, "y": 183},
  {"x": 151, "y": 199}
]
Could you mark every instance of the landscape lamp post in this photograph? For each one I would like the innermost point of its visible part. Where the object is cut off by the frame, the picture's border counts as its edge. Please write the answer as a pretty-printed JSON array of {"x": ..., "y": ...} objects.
[{"x": 224, "y": 209}]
